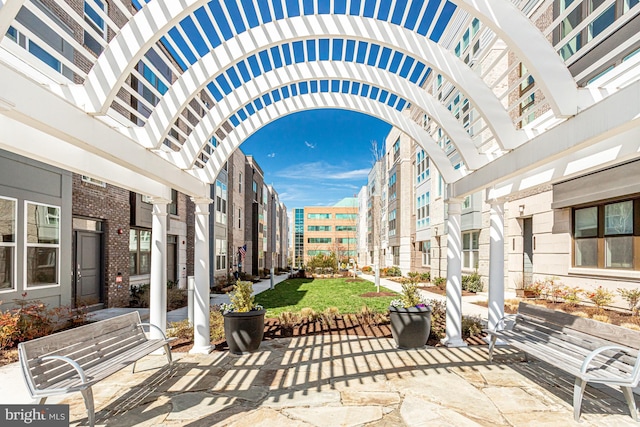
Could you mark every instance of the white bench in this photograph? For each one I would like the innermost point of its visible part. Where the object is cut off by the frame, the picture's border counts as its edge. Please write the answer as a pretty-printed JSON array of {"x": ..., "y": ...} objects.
[
  {"x": 76, "y": 359},
  {"x": 595, "y": 352}
]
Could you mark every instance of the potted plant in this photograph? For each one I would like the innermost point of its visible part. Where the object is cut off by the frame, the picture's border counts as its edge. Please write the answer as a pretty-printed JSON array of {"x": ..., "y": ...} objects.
[
  {"x": 410, "y": 318},
  {"x": 243, "y": 319}
]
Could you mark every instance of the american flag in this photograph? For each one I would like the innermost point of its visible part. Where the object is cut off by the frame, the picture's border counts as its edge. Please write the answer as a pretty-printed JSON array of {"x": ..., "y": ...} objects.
[{"x": 242, "y": 250}]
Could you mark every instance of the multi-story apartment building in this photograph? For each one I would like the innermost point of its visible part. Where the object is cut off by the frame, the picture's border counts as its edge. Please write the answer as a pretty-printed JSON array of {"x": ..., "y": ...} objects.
[
  {"x": 400, "y": 203},
  {"x": 331, "y": 229},
  {"x": 254, "y": 201},
  {"x": 581, "y": 228}
]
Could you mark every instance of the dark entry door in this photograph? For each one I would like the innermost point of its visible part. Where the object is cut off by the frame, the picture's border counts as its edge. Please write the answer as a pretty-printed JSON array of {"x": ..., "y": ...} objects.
[
  {"x": 88, "y": 268},
  {"x": 527, "y": 251}
]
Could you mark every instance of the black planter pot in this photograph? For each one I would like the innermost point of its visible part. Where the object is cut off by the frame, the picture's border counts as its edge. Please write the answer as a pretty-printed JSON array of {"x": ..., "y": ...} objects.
[
  {"x": 411, "y": 326},
  {"x": 244, "y": 331}
]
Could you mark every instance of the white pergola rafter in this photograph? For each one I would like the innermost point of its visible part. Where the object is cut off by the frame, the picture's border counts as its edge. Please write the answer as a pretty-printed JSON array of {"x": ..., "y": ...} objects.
[
  {"x": 277, "y": 33},
  {"x": 8, "y": 11},
  {"x": 66, "y": 122},
  {"x": 158, "y": 16},
  {"x": 564, "y": 149},
  {"x": 329, "y": 70},
  {"x": 326, "y": 100}
]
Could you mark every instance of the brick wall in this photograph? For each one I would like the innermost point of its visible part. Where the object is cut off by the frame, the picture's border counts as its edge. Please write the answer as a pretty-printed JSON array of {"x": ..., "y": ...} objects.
[{"x": 111, "y": 205}]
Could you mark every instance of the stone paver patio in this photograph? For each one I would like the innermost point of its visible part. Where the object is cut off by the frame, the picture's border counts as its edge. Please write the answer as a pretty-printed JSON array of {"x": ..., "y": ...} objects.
[{"x": 326, "y": 381}]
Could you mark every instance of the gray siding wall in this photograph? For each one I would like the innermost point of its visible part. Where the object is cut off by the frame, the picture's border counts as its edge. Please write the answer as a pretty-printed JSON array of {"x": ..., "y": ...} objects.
[{"x": 29, "y": 180}]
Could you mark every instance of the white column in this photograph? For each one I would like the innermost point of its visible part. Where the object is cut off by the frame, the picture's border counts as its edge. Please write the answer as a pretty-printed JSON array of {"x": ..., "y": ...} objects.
[
  {"x": 454, "y": 276},
  {"x": 496, "y": 264},
  {"x": 158, "y": 276},
  {"x": 201, "y": 337}
]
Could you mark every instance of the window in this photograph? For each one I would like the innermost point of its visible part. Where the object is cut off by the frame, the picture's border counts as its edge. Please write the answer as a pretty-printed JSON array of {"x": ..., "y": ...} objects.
[
  {"x": 318, "y": 216},
  {"x": 319, "y": 240},
  {"x": 93, "y": 181},
  {"x": 146, "y": 199},
  {"x": 315, "y": 253},
  {"x": 392, "y": 223},
  {"x": 319, "y": 228},
  {"x": 346, "y": 240},
  {"x": 396, "y": 255},
  {"x": 221, "y": 254},
  {"x": 8, "y": 216},
  {"x": 422, "y": 166},
  {"x": 139, "y": 252},
  {"x": 92, "y": 15},
  {"x": 221, "y": 202},
  {"x": 239, "y": 217},
  {"x": 603, "y": 20},
  {"x": 255, "y": 191},
  {"x": 422, "y": 213},
  {"x": 173, "y": 206},
  {"x": 396, "y": 150},
  {"x": 43, "y": 244},
  {"x": 351, "y": 217},
  {"x": 470, "y": 249},
  {"x": 604, "y": 235},
  {"x": 392, "y": 186},
  {"x": 240, "y": 183},
  {"x": 345, "y": 228},
  {"x": 618, "y": 235},
  {"x": 425, "y": 248}
]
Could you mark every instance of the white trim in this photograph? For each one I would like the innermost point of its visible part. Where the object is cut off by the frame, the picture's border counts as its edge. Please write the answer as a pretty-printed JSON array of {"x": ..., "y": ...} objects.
[
  {"x": 28, "y": 245},
  {"x": 13, "y": 245},
  {"x": 605, "y": 273}
]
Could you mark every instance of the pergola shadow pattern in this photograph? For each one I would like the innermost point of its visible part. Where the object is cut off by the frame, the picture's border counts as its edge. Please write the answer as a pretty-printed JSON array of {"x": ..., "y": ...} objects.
[{"x": 356, "y": 379}]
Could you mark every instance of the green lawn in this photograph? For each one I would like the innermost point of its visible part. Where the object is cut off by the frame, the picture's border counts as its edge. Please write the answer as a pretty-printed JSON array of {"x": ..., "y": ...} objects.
[{"x": 295, "y": 294}]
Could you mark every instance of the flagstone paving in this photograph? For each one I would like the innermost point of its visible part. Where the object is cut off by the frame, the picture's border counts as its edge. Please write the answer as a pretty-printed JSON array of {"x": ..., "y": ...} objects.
[{"x": 327, "y": 381}]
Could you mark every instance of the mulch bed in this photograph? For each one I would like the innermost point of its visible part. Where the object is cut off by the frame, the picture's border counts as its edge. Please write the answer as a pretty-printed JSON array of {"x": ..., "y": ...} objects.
[
  {"x": 378, "y": 294},
  {"x": 343, "y": 325}
]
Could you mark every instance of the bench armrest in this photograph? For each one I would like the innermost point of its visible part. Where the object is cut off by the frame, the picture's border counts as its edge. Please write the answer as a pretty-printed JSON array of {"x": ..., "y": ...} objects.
[
  {"x": 71, "y": 362},
  {"x": 597, "y": 351},
  {"x": 154, "y": 326},
  {"x": 499, "y": 326}
]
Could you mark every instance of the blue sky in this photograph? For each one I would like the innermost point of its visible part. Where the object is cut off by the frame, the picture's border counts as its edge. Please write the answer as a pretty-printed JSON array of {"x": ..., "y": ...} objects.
[{"x": 317, "y": 157}]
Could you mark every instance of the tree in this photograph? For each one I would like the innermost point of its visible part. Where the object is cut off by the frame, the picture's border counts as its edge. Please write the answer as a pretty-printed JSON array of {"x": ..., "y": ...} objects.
[{"x": 377, "y": 202}]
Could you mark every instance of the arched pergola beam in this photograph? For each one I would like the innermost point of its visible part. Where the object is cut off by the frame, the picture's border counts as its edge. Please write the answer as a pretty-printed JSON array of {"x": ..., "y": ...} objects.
[
  {"x": 284, "y": 76},
  {"x": 326, "y": 100},
  {"x": 157, "y": 17},
  {"x": 276, "y": 33},
  {"x": 199, "y": 75},
  {"x": 531, "y": 46}
]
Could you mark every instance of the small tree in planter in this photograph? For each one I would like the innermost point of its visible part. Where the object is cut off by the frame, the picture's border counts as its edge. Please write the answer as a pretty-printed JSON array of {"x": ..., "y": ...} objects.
[
  {"x": 632, "y": 297},
  {"x": 243, "y": 320}
]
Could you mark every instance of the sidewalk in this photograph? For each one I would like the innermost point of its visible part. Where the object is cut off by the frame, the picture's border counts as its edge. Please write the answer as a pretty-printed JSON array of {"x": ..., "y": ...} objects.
[{"x": 13, "y": 389}]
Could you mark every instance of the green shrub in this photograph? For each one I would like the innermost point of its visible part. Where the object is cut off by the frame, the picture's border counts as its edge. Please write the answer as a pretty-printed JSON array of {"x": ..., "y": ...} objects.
[
  {"x": 440, "y": 282},
  {"x": 425, "y": 277},
  {"x": 631, "y": 296},
  {"x": 471, "y": 326},
  {"x": 393, "y": 271},
  {"x": 472, "y": 283}
]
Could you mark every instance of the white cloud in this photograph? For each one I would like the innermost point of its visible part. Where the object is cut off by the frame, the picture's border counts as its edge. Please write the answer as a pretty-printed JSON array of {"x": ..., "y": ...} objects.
[
  {"x": 310, "y": 145},
  {"x": 271, "y": 155},
  {"x": 321, "y": 171}
]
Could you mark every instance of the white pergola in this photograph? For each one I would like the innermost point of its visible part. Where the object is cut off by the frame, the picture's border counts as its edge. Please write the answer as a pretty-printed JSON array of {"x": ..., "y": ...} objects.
[{"x": 250, "y": 62}]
